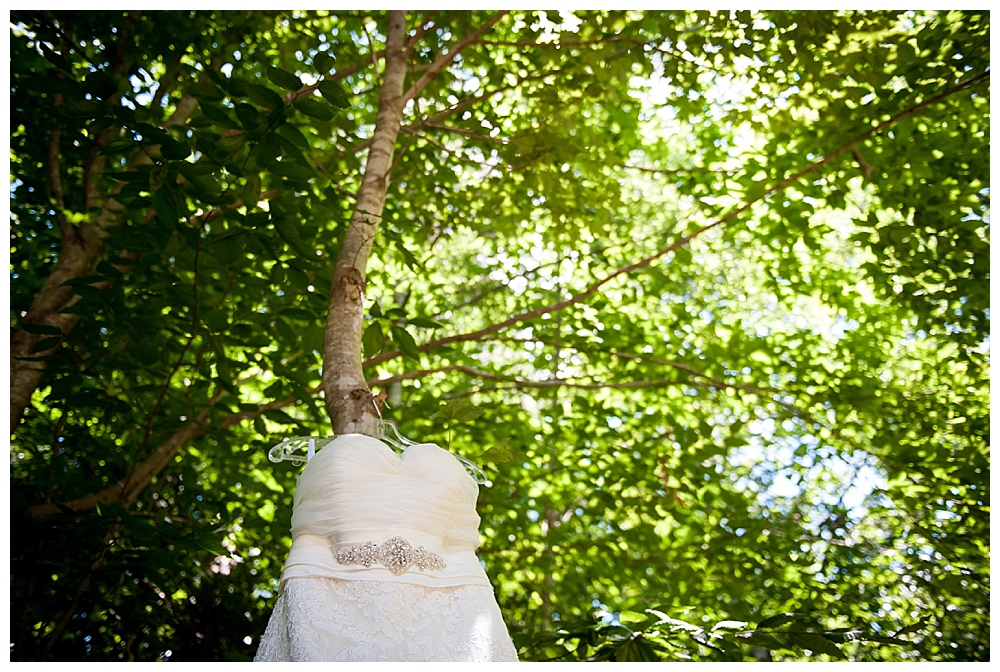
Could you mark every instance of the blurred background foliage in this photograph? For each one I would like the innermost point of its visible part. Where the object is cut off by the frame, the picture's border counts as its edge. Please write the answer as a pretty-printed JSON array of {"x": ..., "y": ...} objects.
[{"x": 770, "y": 442}]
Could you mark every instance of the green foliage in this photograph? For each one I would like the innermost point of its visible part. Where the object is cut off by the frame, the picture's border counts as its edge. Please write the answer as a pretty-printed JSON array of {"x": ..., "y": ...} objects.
[{"x": 781, "y": 424}]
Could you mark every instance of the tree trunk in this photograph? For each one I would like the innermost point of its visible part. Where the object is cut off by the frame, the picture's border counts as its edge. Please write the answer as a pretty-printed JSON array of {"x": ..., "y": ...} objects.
[
  {"x": 81, "y": 250},
  {"x": 348, "y": 399}
]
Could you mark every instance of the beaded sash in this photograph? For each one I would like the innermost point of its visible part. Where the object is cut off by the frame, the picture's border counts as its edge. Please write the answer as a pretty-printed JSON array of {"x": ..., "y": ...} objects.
[{"x": 396, "y": 554}]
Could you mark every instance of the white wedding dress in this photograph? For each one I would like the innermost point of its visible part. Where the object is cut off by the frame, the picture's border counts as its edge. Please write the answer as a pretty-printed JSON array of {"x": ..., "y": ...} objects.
[{"x": 382, "y": 565}]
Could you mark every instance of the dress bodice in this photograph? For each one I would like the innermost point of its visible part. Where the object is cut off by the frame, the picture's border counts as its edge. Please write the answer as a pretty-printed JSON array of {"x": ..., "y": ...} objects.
[{"x": 359, "y": 491}]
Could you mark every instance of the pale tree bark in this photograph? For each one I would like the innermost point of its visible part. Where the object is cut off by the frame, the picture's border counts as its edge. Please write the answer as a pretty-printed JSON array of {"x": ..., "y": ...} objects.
[{"x": 348, "y": 399}]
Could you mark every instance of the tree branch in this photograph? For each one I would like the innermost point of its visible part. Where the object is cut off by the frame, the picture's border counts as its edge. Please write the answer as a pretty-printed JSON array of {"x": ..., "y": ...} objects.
[
  {"x": 442, "y": 62},
  {"x": 683, "y": 240},
  {"x": 347, "y": 398},
  {"x": 419, "y": 33},
  {"x": 125, "y": 491}
]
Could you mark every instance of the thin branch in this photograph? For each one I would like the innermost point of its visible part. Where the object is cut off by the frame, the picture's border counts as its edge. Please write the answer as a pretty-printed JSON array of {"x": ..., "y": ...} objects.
[
  {"x": 420, "y": 32},
  {"x": 183, "y": 111},
  {"x": 461, "y": 106},
  {"x": 680, "y": 171},
  {"x": 438, "y": 65},
  {"x": 467, "y": 103},
  {"x": 683, "y": 240},
  {"x": 655, "y": 46},
  {"x": 240, "y": 416},
  {"x": 479, "y": 294},
  {"x": 165, "y": 83},
  {"x": 371, "y": 45},
  {"x": 55, "y": 181},
  {"x": 566, "y": 382},
  {"x": 467, "y": 134},
  {"x": 177, "y": 365}
]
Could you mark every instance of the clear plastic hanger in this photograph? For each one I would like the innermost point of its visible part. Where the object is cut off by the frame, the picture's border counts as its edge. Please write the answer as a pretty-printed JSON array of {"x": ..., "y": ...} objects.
[
  {"x": 388, "y": 433},
  {"x": 298, "y": 449},
  {"x": 301, "y": 449}
]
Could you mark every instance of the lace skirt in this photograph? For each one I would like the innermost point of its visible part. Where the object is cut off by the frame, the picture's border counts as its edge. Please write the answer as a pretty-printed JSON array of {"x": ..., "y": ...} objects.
[{"x": 320, "y": 619}]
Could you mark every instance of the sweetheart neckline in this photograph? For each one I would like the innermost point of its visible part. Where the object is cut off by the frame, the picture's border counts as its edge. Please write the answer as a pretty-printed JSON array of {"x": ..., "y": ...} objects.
[
  {"x": 398, "y": 454},
  {"x": 400, "y": 457}
]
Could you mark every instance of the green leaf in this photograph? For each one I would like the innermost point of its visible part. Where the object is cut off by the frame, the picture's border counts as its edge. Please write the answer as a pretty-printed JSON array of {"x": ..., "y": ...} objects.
[
  {"x": 129, "y": 176},
  {"x": 265, "y": 97},
  {"x": 464, "y": 412},
  {"x": 314, "y": 109},
  {"x": 914, "y": 627},
  {"x": 283, "y": 78},
  {"x": 279, "y": 416},
  {"x": 423, "y": 322},
  {"x": 293, "y": 171},
  {"x": 334, "y": 93},
  {"x": 247, "y": 114},
  {"x": 405, "y": 342},
  {"x": 46, "y": 343},
  {"x": 166, "y": 208},
  {"x": 83, "y": 280},
  {"x": 49, "y": 84},
  {"x": 635, "y": 650},
  {"x": 233, "y": 145},
  {"x": 408, "y": 257},
  {"x": 324, "y": 62},
  {"x": 228, "y": 250},
  {"x": 816, "y": 644},
  {"x": 237, "y": 87},
  {"x": 100, "y": 85},
  {"x": 100, "y": 124},
  {"x": 772, "y": 622},
  {"x": 173, "y": 150},
  {"x": 267, "y": 511},
  {"x": 632, "y": 617},
  {"x": 217, "y": 114},
  {"x": 372, "y": 340},
  {"x": 118, "y": 147},
  {"x": 299, "y": 314},
  {"x": 499, "y": 453},
  {"x": 41, "y": 329},
  {"x": 754, "y": 638},
  {"x": 56, "y": 59},
  {"x": 289, "y": 230},
  {"x": 294, "y": 135},
  {"x": 205, "y": 91},
  {"x": 267, "y": 151},
  {"x": 126, "y": 115},
  {"x": 81, "y": 109},
  {"x": 107, "y": 270}
]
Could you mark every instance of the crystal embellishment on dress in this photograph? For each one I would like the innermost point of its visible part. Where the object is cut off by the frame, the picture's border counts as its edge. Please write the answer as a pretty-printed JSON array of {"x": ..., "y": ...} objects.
[{"x": 397, "y": 554}]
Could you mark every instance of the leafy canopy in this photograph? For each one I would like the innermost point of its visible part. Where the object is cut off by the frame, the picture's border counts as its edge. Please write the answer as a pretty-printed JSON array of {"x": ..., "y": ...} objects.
[{"x": 705, "y": 292}]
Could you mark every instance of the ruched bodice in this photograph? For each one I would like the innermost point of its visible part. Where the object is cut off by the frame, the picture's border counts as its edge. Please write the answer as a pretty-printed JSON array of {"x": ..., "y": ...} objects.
[
  {"x": 357, "y": 486},
  {"x": 357, "y": 490}
]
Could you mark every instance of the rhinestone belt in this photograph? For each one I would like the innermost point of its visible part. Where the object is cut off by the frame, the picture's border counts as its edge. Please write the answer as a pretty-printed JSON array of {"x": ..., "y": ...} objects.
[{"x": 397, "y": 554}]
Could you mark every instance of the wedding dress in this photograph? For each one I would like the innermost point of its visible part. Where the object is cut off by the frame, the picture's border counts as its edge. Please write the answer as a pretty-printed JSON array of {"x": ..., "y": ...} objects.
[{"x": 382, "y": 565}]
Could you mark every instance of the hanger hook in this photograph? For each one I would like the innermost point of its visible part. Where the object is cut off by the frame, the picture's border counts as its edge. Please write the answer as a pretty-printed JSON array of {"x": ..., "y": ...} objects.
[{"x": 375, "y": 397}]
